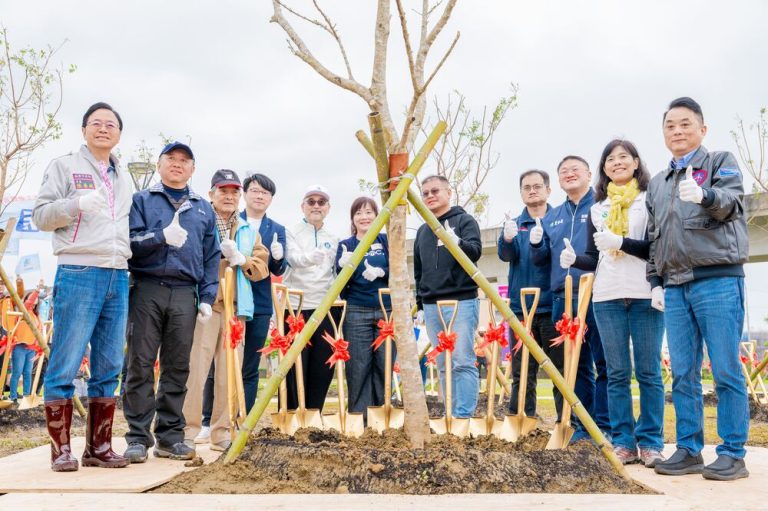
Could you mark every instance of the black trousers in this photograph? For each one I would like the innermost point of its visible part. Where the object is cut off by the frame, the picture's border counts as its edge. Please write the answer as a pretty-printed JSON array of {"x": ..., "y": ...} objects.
[
  {"x": 543, "y": 331},
  {"x": 160, "y": 319},
  {"x": 317, "y": 374}
]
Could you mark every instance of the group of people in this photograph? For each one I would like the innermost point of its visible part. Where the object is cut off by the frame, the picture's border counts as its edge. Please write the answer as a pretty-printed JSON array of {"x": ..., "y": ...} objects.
[{"x": 667, "y": 253}]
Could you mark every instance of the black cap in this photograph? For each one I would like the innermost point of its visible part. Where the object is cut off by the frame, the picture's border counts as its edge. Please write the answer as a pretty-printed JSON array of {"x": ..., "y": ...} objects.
[
  {"x": 225, "y": 177},
  {"x": 177, "y": 145}
]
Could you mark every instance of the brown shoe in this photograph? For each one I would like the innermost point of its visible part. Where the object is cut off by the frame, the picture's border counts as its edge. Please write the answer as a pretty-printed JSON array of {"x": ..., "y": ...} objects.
[
  {"x": 98, "y": 435},
  {"x": 58, "y": 418}
]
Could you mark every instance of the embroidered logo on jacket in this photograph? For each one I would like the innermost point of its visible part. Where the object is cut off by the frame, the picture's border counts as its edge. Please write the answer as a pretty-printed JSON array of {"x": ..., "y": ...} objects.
[
  {"x": 83, "y": 182},
  {"x": 700, "y": 175}
]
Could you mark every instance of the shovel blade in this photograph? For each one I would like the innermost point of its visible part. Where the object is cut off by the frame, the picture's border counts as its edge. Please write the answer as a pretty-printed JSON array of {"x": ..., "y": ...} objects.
[
  {"x": 396, "y": 418},
  {"x": 355, "y": 425},
  {"x": 311, "y": 418},
  {"x": 439, "y": 426},
  {"x": 459, "y": 427},
  {"x": 285, "y": 422},
  {"x": 377, "y": 418},
  {"x": 28, "y": 402},
  {"x": 332, "y": 421},
  {"x": 478, "y": 426},
  {"x": 509, "y": 429},
  {"x": 528, "y": 425},
  {"x": 560, "y": 437},
  {"x": 5, "y": 403}
]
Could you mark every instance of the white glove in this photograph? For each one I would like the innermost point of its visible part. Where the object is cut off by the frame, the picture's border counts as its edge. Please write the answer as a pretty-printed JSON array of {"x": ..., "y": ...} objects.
[
  {"x": 689, "y": 189},
  {"x": 606, "y": 240},
  {"x": 175, "y": 234},
  {"x": 451, "y": 233},
  {"x": 236, "y": 259},
  {"x": 537, "y": 233},
  {"x": 93, "y": 202},
  {"x": 657, "y": 298},
  {"x": 420, "y": 317},
  {"x": 276, "y": 249},
  {"x": 568, "y": 255},
  {"x": 372, "y": 273},
  {"x": 510, "y": 230},
  {"x": 317, "y": 256},
  {"x": 345, "y": 256},
  {"x": 228, "y": 248},
  {"x": 204, "y": 312}
]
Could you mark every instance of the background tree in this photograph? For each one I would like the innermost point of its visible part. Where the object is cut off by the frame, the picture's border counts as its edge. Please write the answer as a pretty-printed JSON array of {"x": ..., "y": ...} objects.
[
  {"x": 143, "y": 164},
  {"x": 399, "y": 142},
  {"x": 752, "y": 154},
  {"x": 31, "y": 94},
  {"x": 465, "y": 156}
]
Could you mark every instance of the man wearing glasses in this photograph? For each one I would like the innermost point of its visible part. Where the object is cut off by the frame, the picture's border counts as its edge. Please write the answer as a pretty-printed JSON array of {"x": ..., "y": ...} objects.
[
  {"x": 85, "y": 199},
  {"x": 554, "y": 244},
  {"x": 440, "y": 277},
  {"x": 310, "y": 252},
  {"x": 513, "y": 248},
  {"x": 175, "y": 267}
]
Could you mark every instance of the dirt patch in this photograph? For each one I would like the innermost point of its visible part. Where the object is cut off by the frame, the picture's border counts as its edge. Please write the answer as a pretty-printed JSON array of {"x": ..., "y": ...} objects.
[
  {"x": 757, "y": 412},
  {"x": 12, "y": 421},
  {"x": 315, "y": 461}
]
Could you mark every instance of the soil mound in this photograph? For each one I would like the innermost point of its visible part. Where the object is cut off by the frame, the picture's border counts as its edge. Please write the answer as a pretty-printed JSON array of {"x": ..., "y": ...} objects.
[{"x": 315, "y": 461}]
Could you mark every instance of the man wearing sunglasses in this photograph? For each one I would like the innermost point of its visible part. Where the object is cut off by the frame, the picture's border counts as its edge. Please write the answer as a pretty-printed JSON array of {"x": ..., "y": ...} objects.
[
  {"x": 310, "y": 252},
  {"x": 440, "y": 277}
]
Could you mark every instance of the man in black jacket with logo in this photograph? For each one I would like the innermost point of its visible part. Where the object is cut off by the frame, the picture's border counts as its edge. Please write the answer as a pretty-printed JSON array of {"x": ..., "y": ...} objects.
[{"x": 439, "y": 277}]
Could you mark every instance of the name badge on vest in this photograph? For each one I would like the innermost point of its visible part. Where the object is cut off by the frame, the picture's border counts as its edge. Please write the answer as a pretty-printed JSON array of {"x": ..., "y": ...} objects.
[{"x": 84, "y": 182}]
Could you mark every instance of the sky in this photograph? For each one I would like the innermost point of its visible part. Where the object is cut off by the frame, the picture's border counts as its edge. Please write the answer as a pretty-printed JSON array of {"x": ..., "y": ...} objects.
[{"x": 220, "y": 75}]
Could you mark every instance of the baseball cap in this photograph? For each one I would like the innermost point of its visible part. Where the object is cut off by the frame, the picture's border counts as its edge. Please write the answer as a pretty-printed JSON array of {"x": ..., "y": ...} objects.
[
  {"x": 177, "y": 145},
  {"x": 317, "y": 190},
  {"x": 225, "y": 177}
]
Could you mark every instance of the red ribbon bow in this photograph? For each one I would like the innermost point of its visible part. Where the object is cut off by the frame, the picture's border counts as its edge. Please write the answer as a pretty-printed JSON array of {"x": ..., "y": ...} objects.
[
  {"x": 386, "y": 330},
  {"x": 340, "y": 351},
  {"x": 494, "y": 334},
  {"x": 37, "y": 349},
  {"x": 84, "y": 364},
  {"x": 744, "y": 360},
  {"x": 277, "y": 342},
  {"x": 508, "y": 356},
  {"x": 236, "y": 332},
  {"x": 665, "y": 362},
  {"x": 445, "y": 342},
  {"x": 5, "y": 344},
  {"x": 568, "y": 328},
  {"x": 295, "y": 325},
  {"x": 396, "y": 367}
]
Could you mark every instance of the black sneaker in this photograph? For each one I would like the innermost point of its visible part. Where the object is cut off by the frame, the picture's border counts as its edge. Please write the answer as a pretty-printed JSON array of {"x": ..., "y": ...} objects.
[
  {"x": 136, "y": 453},
  {"x": 680, "y": 463},
  {"x": 178, "y": 451},
  {"x": 725, "y": 468}
]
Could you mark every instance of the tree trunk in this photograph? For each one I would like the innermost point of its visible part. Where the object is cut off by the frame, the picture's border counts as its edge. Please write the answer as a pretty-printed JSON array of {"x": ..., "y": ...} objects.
[{"x": 416, "y": 414}]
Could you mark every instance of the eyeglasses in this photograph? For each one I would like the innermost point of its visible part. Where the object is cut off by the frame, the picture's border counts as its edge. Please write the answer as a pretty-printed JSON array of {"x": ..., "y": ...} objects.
[
  {"x": 258, "y": 193},
  {"x": 99, "y": 124},
  {"x": 536, "y": 188},
  {"x": 316, "y": 202},
  {"x": 433, "y": 191}
]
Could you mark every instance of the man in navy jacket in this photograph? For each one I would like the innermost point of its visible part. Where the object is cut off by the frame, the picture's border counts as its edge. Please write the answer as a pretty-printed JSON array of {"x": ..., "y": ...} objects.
[
  {"x": 569, "y": 221},
  {"x": 514, "y": 249},
  {"x": 175, "y": 267}
]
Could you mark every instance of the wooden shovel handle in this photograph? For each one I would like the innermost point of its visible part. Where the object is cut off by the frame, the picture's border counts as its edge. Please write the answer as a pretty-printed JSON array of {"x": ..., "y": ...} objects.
[
  {"x": 279, "y": 300},
  {"x": 337, "y": 331},
  {"x": 384, "y": 291},
  {"x": 447, "y": 328},
  {"x": 528, "y": 313}
]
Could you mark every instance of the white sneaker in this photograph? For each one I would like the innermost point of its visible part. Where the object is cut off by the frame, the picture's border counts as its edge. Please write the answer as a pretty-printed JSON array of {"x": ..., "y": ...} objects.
[{"x": 204, "y": 436}]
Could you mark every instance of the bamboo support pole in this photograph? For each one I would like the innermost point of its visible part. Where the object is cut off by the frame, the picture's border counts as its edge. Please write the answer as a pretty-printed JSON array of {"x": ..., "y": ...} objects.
[
  {"x": 535, "y": 350},
  {"x": 11, "y": 287},
  {"x": 379, "y": 153},
  {"x": 330, "y": 297},
  {"x": 759, "y": 368}
]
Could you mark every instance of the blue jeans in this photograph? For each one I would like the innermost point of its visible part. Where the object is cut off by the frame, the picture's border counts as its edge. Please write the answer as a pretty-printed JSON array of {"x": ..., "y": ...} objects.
[
  {"x": 466, "y": 378},
  {"x": 90, "y": 305},
  {"x": 591, "y": 389},
  {"x": 708, "y": 311},
  {"x": 618, "y": 320},
  {"x": 21, "y": 358},
  {"x": 256, "y": 332},
  {"x": 365, "y": 369}
]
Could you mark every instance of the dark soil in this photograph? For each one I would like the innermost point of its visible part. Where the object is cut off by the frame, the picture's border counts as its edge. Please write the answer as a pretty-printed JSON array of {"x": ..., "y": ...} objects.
[
  {"x": 757, "y": 412},
  {"x": 14, "y": 421},
  {"x": 315, "y": 461}
]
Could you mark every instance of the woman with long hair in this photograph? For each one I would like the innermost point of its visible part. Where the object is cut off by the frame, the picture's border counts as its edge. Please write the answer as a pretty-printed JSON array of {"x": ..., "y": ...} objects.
[
  {"x": 617, "y": 250},
  {"x": 365, "y": 369}
]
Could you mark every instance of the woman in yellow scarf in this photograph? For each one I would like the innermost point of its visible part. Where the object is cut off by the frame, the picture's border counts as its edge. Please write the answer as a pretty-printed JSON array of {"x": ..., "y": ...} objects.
[{"x": 617, "y": 251}]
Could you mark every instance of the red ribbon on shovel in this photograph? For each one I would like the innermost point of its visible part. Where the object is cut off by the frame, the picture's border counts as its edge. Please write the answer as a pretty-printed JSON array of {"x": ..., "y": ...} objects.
[
  {"x": 84, "y": 364},
  {"x": 6, "y": 344},
  {"x": 236, "y": 332},
  {"x": 386, "y": 329},
  {"x": 445, "y": 342},
  {"x": 37, "y": 349},
  {"x": 340, "y": 351},
  {"x": 494, "y": 334},
  {"x": 277, "y": 342},
  {"x": 568, "y": 329}
]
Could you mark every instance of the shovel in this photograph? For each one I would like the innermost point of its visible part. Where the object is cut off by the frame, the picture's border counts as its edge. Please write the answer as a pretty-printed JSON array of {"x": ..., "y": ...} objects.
[
  {"x": 520, "y": 424},
  {"x": 489, "y": 424},
  {"x": 449, "y": 424},
  {"x": 32, "y": 400},
  {"x": 301, "y": 417},
  {"x": 7, "y": 403},
  {"x": 281, "y": 420},
  {"x": 386, "y": 416},
  {"x": 346, "y": 422},
  {"x": 562, "y": 433},
  {"x": 235, "y": 391}
]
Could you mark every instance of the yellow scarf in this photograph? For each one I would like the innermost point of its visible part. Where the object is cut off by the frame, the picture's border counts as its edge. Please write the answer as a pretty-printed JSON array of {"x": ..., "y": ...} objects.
[{"x": 621, "y": 198}]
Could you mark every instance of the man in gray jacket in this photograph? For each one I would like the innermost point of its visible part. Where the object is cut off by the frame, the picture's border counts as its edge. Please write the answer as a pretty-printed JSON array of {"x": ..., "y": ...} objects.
[
  {"x": 85, "y": 199},
  {"x": 698, "y": 247}
]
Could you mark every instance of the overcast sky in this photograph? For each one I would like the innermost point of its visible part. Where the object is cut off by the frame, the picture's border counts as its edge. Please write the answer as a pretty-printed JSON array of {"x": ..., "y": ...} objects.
[{"x": 221, "y": 74}]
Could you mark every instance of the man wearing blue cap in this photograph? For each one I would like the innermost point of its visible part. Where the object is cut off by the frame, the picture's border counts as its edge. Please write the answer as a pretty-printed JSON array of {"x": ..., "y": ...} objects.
[{"x": 175, "y": 269}]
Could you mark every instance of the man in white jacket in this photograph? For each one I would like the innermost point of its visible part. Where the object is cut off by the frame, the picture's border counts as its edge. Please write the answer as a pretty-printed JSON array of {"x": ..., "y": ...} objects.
[
  {"x": 85, "y": 199},
  {"x": 310, "y": 251}
]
